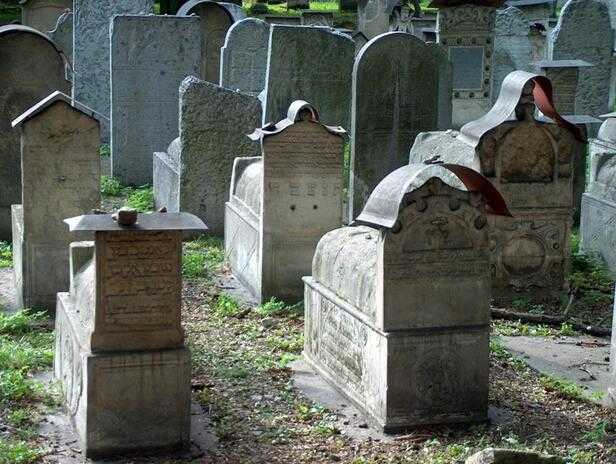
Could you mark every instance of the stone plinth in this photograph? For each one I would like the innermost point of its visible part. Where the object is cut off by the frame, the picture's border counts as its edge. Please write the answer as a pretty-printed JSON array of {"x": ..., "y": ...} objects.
[{"x": 120, "y": 354}]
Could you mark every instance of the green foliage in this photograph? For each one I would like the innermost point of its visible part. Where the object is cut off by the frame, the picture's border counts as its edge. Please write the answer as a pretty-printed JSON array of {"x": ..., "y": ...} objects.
[
  {"x": 501, "y": 353},
  {"x": 105, "y": 150},
  {"x": 20, "y": 322},
  {"x": 141, "y": 198},
  {"x": 588, "y": 272},
  {"x": 275, "y": 307},
  {"x": 111, "y": 187},
  {"x": 17, "y": 452},
  {"x": 202, "y": 257},
  {"x": 227, "y": 306},
  {"x": 518, "y": 328},
  {"x": 597, "y": 434},
  {"x": 6, "y": 254},
  {"x": 566, "y": 330},
  {"x": 563, "y": 388}
]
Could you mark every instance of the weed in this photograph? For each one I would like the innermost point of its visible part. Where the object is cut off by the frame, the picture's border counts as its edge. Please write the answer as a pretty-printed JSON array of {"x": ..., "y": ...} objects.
[
  {"x": 20, "y": 322},
  {"x": 597, "y": 434},
  {"x": 227, "y": 306},
  {"x": 105, "y": 150},
  {"x": 501, "y": 353},
  {"x": 17, "y": 452},
  {"x": 141, "y": 198},
  {"x": 563, "y": 388},
  {"x": 275, "y": 307},
  {"x": 6, "y": 255},
  {"x": 581, "y": 457},
  {"x": 202, "y": 257},
  {"x": 28, "y": 352},
  {"x": 566, "y": 330},
  {"x": 518, "y": 328},
  {"x": 111, "y": 187},
  {"x": 286, "y": 359}
]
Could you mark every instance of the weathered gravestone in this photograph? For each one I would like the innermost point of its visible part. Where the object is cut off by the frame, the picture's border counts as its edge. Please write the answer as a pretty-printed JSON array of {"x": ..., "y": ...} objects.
[
  {"x": 412, "y": 94},
  {"x": 535, "y": 11},
  {"x": 23, "y": 50},
  {"x": 60, "y": 163},
  {"x": 295, "y": 71},
  {"x": 284, "y": 20},
  {"x": 598, "y": 219},
  {"x": 243, "y": 58},
  {"x": 565, "y": 78},
  {"x": 283, "y": 202},
  {"x": 42, "y": 15},
  {"x": 62, "y": 37},
  {"x": 150, "y": 57},
  {"x": 120, "y": 354},
  {"x": 91, "y": 50},
  {"x": 215, "y": 18},
  {"x": 532, "y": 164},
  {"x": 318, "y": 18},
  {"x": 584, "y": 32},
  {"x": 374, "y": 17},
  {"x": 193, "y": 175},
  {"x": 512, "y": 46},
  {"x": 466, "y": 29},
  {"x": 398, "y": 305}
]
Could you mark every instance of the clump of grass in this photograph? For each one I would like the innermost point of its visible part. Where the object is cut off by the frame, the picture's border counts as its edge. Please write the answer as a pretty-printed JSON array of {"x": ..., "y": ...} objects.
[
  {"x": 563, "y": 388},
  {"x": 227, "y": 306},
  {"x": 518, "y": 328},
  {"x": 111, "y": 187},
  {"x": 141, "y": 198},
  {"x": 17, "y": 452},
  {"x": 105, "y": 150},
  {"x": 275, "y": 307},
  {"x": 588, "y": 272},
  {"x": 202, "y": 257},
  {"x": 6, "y": 254},
  {"x": 20, "y": 322}
]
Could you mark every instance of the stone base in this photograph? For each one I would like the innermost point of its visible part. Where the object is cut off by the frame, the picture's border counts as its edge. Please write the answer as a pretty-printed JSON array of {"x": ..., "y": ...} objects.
[
  {"x": 401, "y": 379},
  {"x": 598, "y": 229},
  {"x": 121, "y": 402},
  {"x": 166, "y": 182}
]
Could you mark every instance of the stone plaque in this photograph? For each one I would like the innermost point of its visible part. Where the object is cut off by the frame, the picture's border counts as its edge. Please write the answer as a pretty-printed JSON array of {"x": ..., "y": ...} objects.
[{"x": 467, "y": 63}]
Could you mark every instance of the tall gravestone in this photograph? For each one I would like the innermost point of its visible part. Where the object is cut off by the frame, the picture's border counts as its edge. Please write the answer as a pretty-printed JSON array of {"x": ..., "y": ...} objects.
[
  {"x": 194, "y": 174},
  {"x": 466, "y": 30},
  {"x": 150, "y": 57},
  {"x": 295, "y": 71},
  {"x": 120, "y": 356},
  {"x": 215, "y": 18},
  {"x": 397, "y": 306},
  {"x": 42, "y": 15},
  {"x": 60, "y": 163},
  {"x": 91, "y": 50},
  {"x": 282, "y": 202},
  {"x": 584, "y": 32},
  {"x": 243, "y": 58},
  {"x": 33, "y": 68},
  {"x": 411, "y": 95}
]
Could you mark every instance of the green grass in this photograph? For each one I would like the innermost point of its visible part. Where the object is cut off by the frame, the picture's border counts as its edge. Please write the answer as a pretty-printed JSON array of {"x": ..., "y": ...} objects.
[
  {"x": 141, "y": 198},
  {"x": 563, "y": 388},
  {"x": 275, "y": 307},
  {"x": 17, "y": 452},
  {"x": 105, "y": 150},
  {"x": 111, "y": 187},
  {"x": 202, "y": 257},
  {"x": 227, "y": 306},
  {"x": 6, "y": 255}
]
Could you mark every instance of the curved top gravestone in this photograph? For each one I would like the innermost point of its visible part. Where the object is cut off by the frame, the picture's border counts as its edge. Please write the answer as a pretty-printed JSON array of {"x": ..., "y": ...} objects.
[
  {"x": 43, "y": 14},
  {"x": 607, "y": 132},
  {"x": 243, "y": 58},
  {"x": 22, "y": 51},
  {"x": 216, "y": 19}
]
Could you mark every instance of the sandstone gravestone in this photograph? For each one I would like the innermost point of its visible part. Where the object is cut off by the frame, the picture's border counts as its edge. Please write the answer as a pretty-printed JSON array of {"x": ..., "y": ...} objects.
[
  {"x": 42, "y": 15},
  {"x": 565, "y": 78},
  {"x": 466, "y": 30},
  {"x": 215, "y": 18},
  {"x": 397, "y": 309},
  {"x": 243, "y": 58},
  {"x": 295, "y": 71},
  {"x": 120, "y": 354},
  {"x": 22, "y": 50},
  {"x": 60, "y": 163},
  {"x": 91, "y": 50},
  {"x": 282, "y": 202},
  {"x": 194, "y": 174},
  {"x": 532, "y": 164},
  {"x": 411, "y": 95},
  {"x": 150, "y": 57},
  {"x": 584, "y": 32},
  {"x": 62, "y": 37}
]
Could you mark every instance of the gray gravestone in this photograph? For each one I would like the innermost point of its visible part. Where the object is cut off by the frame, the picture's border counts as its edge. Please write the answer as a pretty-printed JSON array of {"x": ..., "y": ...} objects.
[
  {"x": 284, "y": 20},
  {"x": 91, "y": 50},
  {"x": 565, "y": 78},
  {"x": 60, "y": 160},
  {"x": 374, "y": 16},
  {"x": 318, "y": 18},
  {"x": 295, "y": 71},
  {"x": 413, "y": 87},
  {"x": 216, "y": 19},
  {"x": 150, "y": 57},
  {"x": 34, "y": 69},
  {"x": 62, "y": 36},
  {"x": 194, "y": 174},
  {"x": 42, "y": 15},
  {"x": 243, "y": 59},
  {"x": 584, "y": 32}
]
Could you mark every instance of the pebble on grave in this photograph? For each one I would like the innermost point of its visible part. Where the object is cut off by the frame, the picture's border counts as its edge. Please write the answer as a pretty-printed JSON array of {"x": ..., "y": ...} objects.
[
  {"x": 120, "y": 354},
  {"x": 282, "y": 202},
  {"x": 398, "y": 304},
  {"x": 60, "y": 160}
]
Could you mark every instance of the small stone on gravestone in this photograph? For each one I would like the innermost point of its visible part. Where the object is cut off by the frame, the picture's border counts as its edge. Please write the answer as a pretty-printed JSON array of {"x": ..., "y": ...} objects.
[
  {"x": 507, "y": 456},
  {"x": 126, "y": 216},
  {"x": 42, "y": 15}
]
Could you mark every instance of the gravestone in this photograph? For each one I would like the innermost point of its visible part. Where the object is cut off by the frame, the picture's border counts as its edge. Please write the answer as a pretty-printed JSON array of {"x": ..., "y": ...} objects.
[
  {"x": 374, "y": 16},
  {"x": 508, "y": 456},
  {"x": 598, "y": 219},
  {"x": 565, "y": 78},
  {"x": 243, "y": 58},
  {"x": 91, "y": 50},
  {"x": 584, "y": 32},
  {"x": 42, "y": 15},
  {"x": 194, "y": 174},
  {"x": 215, "y": 18},
  {"x": 535, "y": 11},
  {"x": 419, "y": 244},
  {"x": 62, "y": 36},
  {"x": 512, "y": 46},
  {"x": 60, "y": 162},
  {"x": 295, "y": 71},
  {"x": 531, "y": 162},
  {"x": 282, "y": 202},
  {"x": 411, "y": 95},
  {"x": 466, "y": 30},
  {"x": 22, "y": 50},
  {"x": 360, "y": 40},
  {"x": 284, "y": 20},
  {"x": 150, "y": 57},
  {"x": 120, "y": 354},
  {"x": 318, "y": 18}
]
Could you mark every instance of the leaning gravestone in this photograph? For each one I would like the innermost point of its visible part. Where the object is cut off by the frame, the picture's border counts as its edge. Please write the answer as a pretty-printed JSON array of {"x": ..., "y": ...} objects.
[
  {"x": 243, "y": 58},
  {"x": 60, "y": 141},
  {"x": 120, "y": 354},
  {"x": 150, "y": 57},
  {"x": 584, "y": 32},
  {"x": 215, "y": 18},
  {"x": 194, "y": 174},
  {"x": 411, "y": 95},
  {"x": 42, "y": 15},
  {"x": 296, "y": 72},
  {"x": 283, "y": 202},
  {"x": 91, "y": 50},
  {"x": 418, "y": 244},
  {"x": 33, "y": 69}
]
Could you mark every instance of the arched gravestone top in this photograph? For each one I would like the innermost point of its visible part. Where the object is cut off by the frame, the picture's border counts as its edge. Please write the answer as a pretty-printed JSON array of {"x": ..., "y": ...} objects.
[
  {"x": 15, "y": 28},
  {"x": 607, "y": 131},
  {"x": 243, "y": 58},
  {"x": 234, "y": 12}
]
